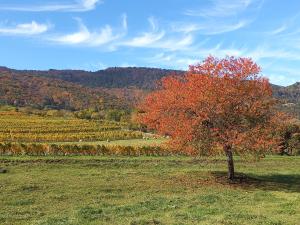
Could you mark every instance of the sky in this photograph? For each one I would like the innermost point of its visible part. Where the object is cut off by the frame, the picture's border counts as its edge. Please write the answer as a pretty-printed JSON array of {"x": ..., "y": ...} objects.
[{"x": 172, "y": 34}]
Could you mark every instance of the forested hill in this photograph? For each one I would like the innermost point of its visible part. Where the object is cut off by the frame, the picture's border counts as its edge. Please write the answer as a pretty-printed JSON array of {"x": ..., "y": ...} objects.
[
  {"x": 291, "y": 93},
  {"x": 23, "y": 89},
  {"x": 114, "y": 77},
  {"x": 76, "y": 89}
]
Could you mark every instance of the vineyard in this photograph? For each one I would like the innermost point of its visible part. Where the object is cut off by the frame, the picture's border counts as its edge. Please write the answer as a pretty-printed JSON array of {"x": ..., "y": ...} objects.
[{"x": 19, "y": 127}]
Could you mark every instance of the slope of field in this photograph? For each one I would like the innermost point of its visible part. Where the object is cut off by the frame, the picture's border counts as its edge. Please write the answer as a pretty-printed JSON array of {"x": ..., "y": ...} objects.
[
  {"x": 18, "y": 127},
  {"x": 147, "y": 190}
]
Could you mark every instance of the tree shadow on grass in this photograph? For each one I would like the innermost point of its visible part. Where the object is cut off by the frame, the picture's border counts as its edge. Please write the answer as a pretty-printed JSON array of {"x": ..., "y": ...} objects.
[{"x": 272, "y": 182}]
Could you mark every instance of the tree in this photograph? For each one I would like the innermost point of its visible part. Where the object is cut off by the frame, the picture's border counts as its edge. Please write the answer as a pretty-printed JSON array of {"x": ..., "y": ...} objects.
[{"x": 218, "y": 104}]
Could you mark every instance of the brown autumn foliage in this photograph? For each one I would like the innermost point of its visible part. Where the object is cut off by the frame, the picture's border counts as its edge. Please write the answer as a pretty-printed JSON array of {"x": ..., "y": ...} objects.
[
  {"x": 218, "y": 104},
  {"x": 39, "y": 92}
]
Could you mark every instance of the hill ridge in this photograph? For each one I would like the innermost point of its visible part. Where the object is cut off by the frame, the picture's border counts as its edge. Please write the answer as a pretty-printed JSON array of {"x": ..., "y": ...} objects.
[{"x": 121, "y": 86}]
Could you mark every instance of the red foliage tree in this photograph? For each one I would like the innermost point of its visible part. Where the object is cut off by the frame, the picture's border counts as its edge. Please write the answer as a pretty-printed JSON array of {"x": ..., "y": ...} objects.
[{"x": 218, "y": 104}]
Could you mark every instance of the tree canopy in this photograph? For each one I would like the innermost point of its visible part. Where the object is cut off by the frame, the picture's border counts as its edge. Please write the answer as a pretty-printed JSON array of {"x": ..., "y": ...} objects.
[{"x": 218, "y": 104}]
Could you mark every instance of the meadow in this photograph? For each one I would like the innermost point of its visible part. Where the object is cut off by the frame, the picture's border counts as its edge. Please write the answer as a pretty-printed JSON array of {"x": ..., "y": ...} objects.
[
  {"x": 148, "y": 190},
  {"x": 69, "y": 171}
]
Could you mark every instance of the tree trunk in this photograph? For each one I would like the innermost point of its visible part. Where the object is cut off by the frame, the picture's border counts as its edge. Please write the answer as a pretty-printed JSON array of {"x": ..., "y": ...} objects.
[{"x": 228, "y": 152}]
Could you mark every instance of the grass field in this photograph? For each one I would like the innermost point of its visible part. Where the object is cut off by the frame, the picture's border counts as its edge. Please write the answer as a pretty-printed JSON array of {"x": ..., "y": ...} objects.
[{"x": 148, "y": 190}]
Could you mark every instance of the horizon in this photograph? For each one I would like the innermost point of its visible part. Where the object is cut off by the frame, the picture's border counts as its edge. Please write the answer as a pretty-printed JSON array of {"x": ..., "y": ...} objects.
[{"x": 93, "y": 35}]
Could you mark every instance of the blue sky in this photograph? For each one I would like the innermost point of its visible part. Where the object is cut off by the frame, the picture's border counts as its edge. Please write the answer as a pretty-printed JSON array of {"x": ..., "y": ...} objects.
[{"x": 95, "y": 34}]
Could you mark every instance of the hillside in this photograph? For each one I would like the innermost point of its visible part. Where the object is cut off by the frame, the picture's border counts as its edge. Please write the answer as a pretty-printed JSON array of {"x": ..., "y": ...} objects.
[
  {"x": 29, "y": 90},
  {"x": 290, "y": 97},
  {"x": 115, "y": 87},
  {"x": 115, "y": 77},
  {"x": 291, "y": 93}
]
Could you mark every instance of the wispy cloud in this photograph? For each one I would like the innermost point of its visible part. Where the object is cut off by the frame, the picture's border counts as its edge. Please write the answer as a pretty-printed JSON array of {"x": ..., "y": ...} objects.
[
  {"x": 86, "y": 37},
  {"x": 124, "y": 21},
  {"x": 158, "y": 38},
  {"x": 146, "y": 38},
  {"x": 221, "y": 8},
  {"x": 32, "y": 28},
  {"x": 278, "y": 30},
  {"x": 182, "y": 60},
  {"x": 174, "y": 44},
  {"x": 287, "y": 33},
  {"x": 261, "y": 53},
  {"x": 219, "y": 16},
  {"x": 114, "y": 38},
  {"x": 74, "y": 6},
  {"x": 210, "y": 28},
  {"x": 172, "y": 60},
  {"x": 265, "y": 52}
]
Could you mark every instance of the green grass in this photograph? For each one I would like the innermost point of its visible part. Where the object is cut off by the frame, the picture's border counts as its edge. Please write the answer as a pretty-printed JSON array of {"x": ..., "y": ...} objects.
[{"x": 147, "y": 190}]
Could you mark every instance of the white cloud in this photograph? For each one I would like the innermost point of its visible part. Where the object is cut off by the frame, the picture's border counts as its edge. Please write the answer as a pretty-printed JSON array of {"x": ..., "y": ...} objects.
[
  {"x": 156, "y": 38},
  {"x": 222, "y": 52},
  {"x": 146, "y": 39},
  {"x": 209, "y": 28},
  {"x": 263, "y": 52},
  {"x": 32, "y": 28},
  {"x": 219, "y": 16},
  {"x": 172, "y": 60},
  {"x": 160, "y": 41},
  {"x": 221, "y": 8},
  {"x": 89, "y": 38},
  {"x": 153, "y": 23},
  {"x": 75, "y": 6},
  {"x": 226, "y": 28},
  {"x": 161, "y": 57},
  {"x": 278, "y": 30},
  {"x": 114, "y": 38},
  {"x": 194, "y": 54},
  {"x": 290, "y": 24},
  {"x": 204, "y": 48},
  {"x": 174, "y": 44},
  {"x": 259, "y": 53},
  {"x": 124, "y": 21}
]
